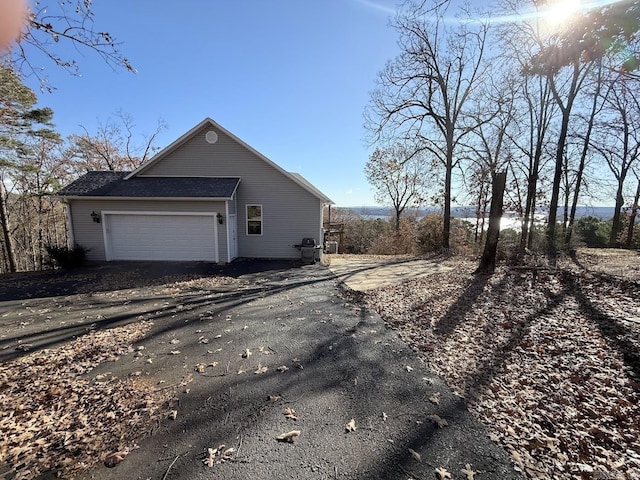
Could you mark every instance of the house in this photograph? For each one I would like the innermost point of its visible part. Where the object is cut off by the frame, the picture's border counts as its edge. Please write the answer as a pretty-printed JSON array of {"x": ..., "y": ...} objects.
[{"x": 208, "y": 196}]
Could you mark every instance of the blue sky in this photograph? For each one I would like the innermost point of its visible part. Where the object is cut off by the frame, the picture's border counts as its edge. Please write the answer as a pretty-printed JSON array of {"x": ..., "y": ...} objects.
[{"x": 289, "y": 77}]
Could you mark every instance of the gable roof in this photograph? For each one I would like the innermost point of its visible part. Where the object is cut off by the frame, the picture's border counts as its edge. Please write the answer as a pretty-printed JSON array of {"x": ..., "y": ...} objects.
[
  {"x": 208, "y": 121},
  {"x": 115, "y": 185}
]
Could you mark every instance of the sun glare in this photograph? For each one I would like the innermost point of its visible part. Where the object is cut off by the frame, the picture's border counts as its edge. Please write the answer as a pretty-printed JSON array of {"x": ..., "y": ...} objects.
[{"x": 560, "y": 11}]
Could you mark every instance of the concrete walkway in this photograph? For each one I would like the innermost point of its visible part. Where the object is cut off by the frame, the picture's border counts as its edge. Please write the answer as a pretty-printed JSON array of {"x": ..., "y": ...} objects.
[{"x": 364, "y": 272}]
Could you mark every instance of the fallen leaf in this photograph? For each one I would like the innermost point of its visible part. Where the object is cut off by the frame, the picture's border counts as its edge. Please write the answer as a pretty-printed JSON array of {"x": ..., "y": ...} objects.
[
  {"x": 416, "y": 456},
  {"x": 470, "y": 474},
  {"x": 211, "y": 453},
  {"x": 351, "y": 426},
  {"x": 290, "y": 413},
  {"x": 218, "y": 455},
  {"x": 115, "y": 458},
  {"x": 289, "y": 436},
  {"x": 518, "y": 459},
  {"x": 441, "y": 422},
  {"x": 442, "y": 473}
]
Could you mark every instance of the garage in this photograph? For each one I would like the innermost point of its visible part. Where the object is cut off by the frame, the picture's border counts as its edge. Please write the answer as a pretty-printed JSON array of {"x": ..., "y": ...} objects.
[{"x": 160, "y": 236}]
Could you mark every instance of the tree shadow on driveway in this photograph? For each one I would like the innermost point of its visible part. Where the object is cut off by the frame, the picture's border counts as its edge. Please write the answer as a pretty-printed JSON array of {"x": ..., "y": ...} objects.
[
  {"x": 341, "y": 363},
  {"x": 98, "y": 277}
]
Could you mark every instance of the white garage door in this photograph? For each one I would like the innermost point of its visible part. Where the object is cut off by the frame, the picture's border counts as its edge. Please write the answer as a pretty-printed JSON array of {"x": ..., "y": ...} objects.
[{"x": 146, "y": 236}]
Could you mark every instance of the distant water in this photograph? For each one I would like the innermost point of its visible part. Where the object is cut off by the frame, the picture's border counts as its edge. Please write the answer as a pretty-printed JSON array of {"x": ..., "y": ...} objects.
[{"x": 509, "y": 219}]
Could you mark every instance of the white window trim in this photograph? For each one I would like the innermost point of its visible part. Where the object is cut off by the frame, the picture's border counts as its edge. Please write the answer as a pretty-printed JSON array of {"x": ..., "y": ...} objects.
[{"x": 246, "y": 213}]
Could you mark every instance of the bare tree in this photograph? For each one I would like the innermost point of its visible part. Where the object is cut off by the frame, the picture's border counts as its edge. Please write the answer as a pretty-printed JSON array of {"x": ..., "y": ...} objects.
[
  {"x": 618, "y": 142},
  {"x": 566, "y": 59},
  {"x": 399, "y": 177},
  {"x": 114, "y": 146},
  {"x": 52, "y": 28},
  {"x": 596, "y": 106},
  {"x": 530, "y": 134},
  {"x": 422, "y": 94},
  {"x": 489, "y": 148},
  {"x": 565, "y": 84}
]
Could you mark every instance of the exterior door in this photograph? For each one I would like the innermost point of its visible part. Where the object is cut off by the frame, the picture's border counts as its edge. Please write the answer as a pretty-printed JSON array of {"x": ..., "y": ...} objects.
[{"x": 233, "y": 237}]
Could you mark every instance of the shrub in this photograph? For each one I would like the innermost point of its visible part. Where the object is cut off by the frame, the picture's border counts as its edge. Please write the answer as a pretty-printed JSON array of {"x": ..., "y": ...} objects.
[
  {"x": 430, "y": 233},
  {"x": 66, "y": 258},
  {"x": 594, "y": 232},
  {"x": 403, "y": 242},
  {"x": 508, "y": 244},
  {"x": 360, "y": 234}
]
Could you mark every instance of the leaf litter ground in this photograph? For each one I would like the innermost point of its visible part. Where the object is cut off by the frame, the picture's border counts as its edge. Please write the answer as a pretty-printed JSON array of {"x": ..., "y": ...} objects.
[{"x": 549, "y": 360}]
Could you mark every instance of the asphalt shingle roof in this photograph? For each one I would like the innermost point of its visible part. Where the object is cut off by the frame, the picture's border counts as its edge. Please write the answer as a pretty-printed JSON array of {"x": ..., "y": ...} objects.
[{"x": 113, "y": 184}]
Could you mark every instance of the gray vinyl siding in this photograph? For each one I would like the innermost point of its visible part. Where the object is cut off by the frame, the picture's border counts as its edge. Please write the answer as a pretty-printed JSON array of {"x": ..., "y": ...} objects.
[
  {"x": 88, "y": 234},
  {"x": 289, "y": 211}
]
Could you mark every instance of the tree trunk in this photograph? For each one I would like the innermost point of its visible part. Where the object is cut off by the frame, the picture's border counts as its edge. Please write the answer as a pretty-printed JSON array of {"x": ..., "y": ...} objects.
[
  {"x": 479, "y": 215},
  {"x": 446, "y": 218},
  {"x": 632, "y": 218},
  {"x": 397, "y": 221},
  {"x": 488, "y": 260},
  {"x": 530, "y": 206},
  {"x": 617, "y": 214},
  {"x": 4, "y": 226},
  {"x": 552, "y": 252}
]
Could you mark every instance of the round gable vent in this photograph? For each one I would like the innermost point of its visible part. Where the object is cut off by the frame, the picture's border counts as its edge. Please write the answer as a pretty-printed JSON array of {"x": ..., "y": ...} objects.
[{"x": 211, "y": 137}]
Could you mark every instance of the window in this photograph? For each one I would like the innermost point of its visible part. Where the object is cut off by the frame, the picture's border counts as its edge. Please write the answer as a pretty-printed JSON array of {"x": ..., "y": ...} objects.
[{"x": 254, "y": 219}]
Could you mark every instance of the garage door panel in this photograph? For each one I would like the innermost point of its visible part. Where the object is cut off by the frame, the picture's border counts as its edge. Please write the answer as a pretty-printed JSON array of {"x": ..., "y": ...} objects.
[{"x": 161, "y": 237}]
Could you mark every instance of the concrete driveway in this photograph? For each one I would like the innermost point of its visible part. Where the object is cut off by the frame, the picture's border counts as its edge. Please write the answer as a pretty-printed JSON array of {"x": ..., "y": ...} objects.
[{"x": 366, "y": 272}]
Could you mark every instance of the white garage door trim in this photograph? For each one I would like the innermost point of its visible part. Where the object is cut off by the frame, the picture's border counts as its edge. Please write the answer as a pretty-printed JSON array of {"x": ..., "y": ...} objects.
[{"x": 192, "y": 236}]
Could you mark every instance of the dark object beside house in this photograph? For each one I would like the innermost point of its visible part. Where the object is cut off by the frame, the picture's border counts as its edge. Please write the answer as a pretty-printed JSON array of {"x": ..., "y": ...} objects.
[{"x": 309, "y": 250}]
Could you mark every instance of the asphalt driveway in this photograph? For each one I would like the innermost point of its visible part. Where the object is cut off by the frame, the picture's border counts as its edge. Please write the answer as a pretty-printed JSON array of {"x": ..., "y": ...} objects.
[{"x": 341, "y": 364}]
